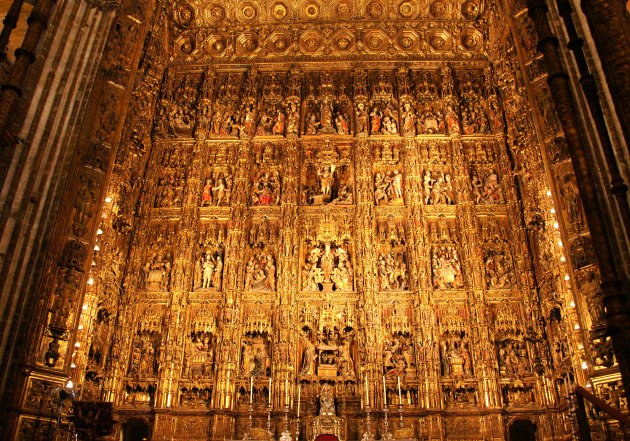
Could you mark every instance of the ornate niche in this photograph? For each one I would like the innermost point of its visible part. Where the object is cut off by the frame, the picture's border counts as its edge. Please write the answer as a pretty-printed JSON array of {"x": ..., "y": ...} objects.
[
  {"x": 272, "y": 114},
  {"x": 472, "y": 104},
  {"x": 255, "y": 354},
  {"x": 399, "y": 355},
  {"x": 437, "y": 179},
  {"x": 227, "y": 115},
  {"x": 393, "y": 263},
  {"x": 498, "y": 263},
  {"x": 387, "y": 171},
  {"x": 570, "y": 200},
  {"x": 517, "y": 383},
  {"x": 429, "y": 109},
  {"x": 173, "y": 168},
  {"x": 327, "y": 174},
  {"x": 100, "y": 333},
  {"x": 327, "y": 255},
  {"x": 146, "y": 348},
  {"x": 210, "y": 256},
  {"x": 327, "y": 108},
  {"x": 177, "y": 110},
  {"x": 260, "y": 270},
  {"x": 383, "y": 106},
  {"x": 218, "y": 175},
  {"x": 266, "y": 181},
  {"x": 456, "y": 363},
  {"x": 328, "y": 346},
  {"x": 446, "y": 266},
  {"x": 155, "y": 274},
  {"x": 483, "y": 162},
  {"x": 196, "y": 384}
]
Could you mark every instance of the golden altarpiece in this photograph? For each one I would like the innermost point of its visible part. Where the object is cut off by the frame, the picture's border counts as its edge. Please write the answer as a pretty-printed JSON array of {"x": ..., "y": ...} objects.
[{"x": 331, "y": 207}]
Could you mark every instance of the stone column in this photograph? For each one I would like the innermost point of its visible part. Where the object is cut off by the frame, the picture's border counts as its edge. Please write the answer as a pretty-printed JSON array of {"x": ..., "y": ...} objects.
[
  {"x": 615, "y": 295},
  {"x": 609, "y": 23}
]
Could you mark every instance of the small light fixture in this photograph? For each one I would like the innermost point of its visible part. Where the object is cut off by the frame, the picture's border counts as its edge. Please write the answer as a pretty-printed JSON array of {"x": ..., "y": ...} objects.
[
  {"x": 85, "y": 306},
  {"x": 99, "y": 231},
  {"x": 96, "y": 248},
  {"x": 560, "y": 243},
  {"x": 553, "y": 211},
  {"x": 576, "y": 327},
  {"x": 584, "y": 365},
  {"x": 566, "y": 277},
  {"x": 77, "y": 345},
  {"x": 572, "y": 304},
  {"x": 80, "y": 327},
  {"x": 580, "y": 346},
  {"x": 69, "y": 384},
  {"x": 90, "y": 281},
  {"x": 556, "y": 225},
  {"x": 548, "y": 192},
  {"x": 73, "y": 366},
  {"x": 563, "y": 259},
  {"x": 108, "y": 199}
]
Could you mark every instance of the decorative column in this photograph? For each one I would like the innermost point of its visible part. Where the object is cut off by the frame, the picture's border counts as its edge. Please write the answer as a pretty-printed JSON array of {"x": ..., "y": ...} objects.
[
  {"x": 10, "y": 22},
  {"x": 12, "y": 88},
  {"x": 609, "y": 23},
  {"x": 614, "y": 296}
]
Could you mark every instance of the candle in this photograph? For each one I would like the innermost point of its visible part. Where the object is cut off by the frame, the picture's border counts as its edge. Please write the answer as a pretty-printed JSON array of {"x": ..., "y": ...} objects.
[
  {"x": 251, "y": 390},
  {"x": 286, "y": 391},
  {"x": 367, "y": 394},
  {"x": 384, "y": 392},
  {"x": 269, "y": 391},
  {"x": 399, "y": 393},
  {"x": 299, "y": 396}
]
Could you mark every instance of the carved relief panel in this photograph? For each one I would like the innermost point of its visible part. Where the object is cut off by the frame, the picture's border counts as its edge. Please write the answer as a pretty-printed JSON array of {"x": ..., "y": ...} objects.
[
  {"x": 472, "y": 104},
  {"x": 272, "y": 111},
  {"x": 210, "y": 256},
  {"x": 327, "y": 254},
  {"x": 177, "y": 111},
  {"x": 199, "y": 362},
  {"x": 155, "y": 274},
  {"x": 327, "y": 107},
  {"x": 383, "y": 107},
  {"x": 260, "y": 269},
  {"x": 428, "y": 104},
  {"x": 171, "y": 179},
  {"x": 446, "y": 266},
  {"x": 146, "y": 350},
  {"x": 399, "y": 355},
  {"x": 497, "y": 255},
  {"x": 388, "y": 171},
  {"x": 483, "y": 163},
  {"x": 227, "y": 116},
  {"x": 328, "y": 346},
  {"x": 327, "y": 174},
  {"x": 266, "y": 180},
  {"x": 393, "y": 260}
]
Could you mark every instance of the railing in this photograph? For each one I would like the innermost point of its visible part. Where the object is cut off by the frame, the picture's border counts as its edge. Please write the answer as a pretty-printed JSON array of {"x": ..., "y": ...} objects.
[{"x": 612, "y": 425}]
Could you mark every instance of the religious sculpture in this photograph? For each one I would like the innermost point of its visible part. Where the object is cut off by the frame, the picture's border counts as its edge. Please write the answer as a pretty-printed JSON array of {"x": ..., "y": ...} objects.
[
  {"x": 388, "y": 187},
  {"x": 157, "y": 272},
  {"x": 266, "y": 189},
  {"x": 217, "y": 189},
  {"x": 327, "y": 267},
  {"x": 446, "y": 268},
  {"x": 486, "y": 188},
  {"x": 437, "y": 188},
  {"x": 327, "y": 184}
]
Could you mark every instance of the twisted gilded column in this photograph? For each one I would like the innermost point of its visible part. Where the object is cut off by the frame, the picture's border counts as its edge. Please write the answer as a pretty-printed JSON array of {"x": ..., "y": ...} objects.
[{"x": 615, "y": 297}]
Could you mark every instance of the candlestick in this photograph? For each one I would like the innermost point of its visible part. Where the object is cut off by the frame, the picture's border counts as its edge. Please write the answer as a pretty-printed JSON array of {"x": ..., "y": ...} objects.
[
  {"x": 384, "y": 392},
  {"x": 399, "y": 392},
  {"x": 251, "y": 389},
  {"x": 299, "y": 396}
]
